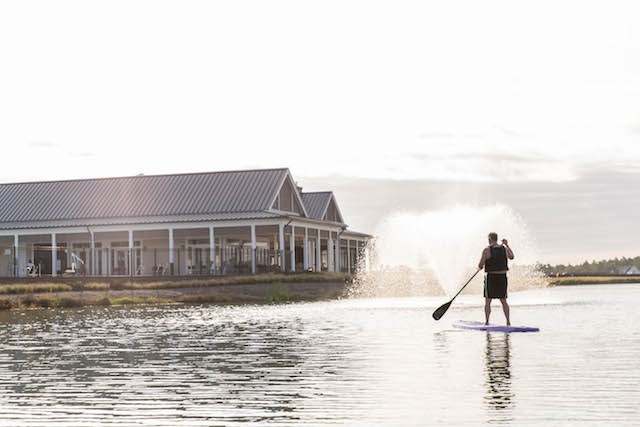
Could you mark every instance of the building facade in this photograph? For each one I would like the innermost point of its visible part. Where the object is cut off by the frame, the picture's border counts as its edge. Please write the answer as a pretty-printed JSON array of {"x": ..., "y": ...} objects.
[{"x": 232, "y": 222}]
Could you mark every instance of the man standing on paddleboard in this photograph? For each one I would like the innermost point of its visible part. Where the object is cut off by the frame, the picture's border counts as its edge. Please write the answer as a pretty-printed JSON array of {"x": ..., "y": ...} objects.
[{"x": 494, "y": 261}]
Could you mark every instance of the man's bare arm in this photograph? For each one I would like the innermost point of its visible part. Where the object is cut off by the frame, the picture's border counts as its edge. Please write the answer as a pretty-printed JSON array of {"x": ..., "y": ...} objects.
[
  {"x": 507, "y": 248},
  {"x": 483, "y": 258},
  {"x": 509, "y": 252}
]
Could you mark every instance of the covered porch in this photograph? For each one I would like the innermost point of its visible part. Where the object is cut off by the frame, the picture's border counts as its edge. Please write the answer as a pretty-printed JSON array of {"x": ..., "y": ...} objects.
[{"x": 185, "y": 249}]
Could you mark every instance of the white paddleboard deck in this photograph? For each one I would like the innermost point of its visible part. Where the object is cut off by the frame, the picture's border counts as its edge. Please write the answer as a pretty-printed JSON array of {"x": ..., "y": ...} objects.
[{"x": 479, "y": 326}]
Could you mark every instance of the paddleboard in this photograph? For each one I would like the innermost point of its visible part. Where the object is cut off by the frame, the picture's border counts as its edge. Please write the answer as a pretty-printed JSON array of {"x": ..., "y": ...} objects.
[{"x": 479, "y": 326}]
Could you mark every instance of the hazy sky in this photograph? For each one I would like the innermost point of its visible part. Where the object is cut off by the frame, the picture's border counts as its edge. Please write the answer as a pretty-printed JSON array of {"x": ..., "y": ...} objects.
[{"x": 533, "y": 103}]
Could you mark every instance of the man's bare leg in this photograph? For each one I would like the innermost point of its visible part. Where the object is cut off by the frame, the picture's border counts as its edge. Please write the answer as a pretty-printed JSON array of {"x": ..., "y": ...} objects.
[
  {"x": 487, "y": 310},
  {"x": 505, "y": 308}
]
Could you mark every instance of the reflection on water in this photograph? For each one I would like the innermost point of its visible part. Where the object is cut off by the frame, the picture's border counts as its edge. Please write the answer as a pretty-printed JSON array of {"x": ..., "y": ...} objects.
[
  {"x": 160, "y": 366},
  {"x": 499, "y": 396}
]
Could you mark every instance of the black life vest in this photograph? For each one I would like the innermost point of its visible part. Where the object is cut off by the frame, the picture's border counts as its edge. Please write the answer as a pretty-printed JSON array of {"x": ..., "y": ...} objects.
[{"x": 498, "y": 259}]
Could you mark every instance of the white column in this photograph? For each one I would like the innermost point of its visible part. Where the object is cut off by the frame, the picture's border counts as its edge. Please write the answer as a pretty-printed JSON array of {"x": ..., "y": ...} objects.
[
  {"x": 131, "y": 257},
  {"x": 338, "y": 252},
  {"x": 185, "y": 257},
  {"x": 141, "y": 265},
  {"x": 171, "y": 251},
  {"x": 193, "y": 256},
  {"x": 253, "y": 249},
  {"x": 348, "y": 256},
  {"x": 106, "y": 263},
  {"x": 275, "y": 248},
  {"x": 212, "y": 249},
  {"x": 305, "y": 250},
  {"x": 330, "y": 252},
  {"x": 16, "y": 256},
  {"x": 93, "y": 254},
  {"x": 292, "y": 248},
  {"x": 223, "y": 243},
  {"x": 281, "y": 245},
  {"x": 318, "y": 253},
  {"x": 54, "y": 255}
]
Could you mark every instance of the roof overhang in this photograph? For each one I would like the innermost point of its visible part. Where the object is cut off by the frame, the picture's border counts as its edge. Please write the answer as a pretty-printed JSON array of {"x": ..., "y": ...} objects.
[{"x": 89, "y": 222}]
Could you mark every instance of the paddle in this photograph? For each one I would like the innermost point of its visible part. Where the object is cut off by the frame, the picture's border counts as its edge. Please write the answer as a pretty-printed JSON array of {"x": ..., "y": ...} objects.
[{"x": 444, "y": 307}]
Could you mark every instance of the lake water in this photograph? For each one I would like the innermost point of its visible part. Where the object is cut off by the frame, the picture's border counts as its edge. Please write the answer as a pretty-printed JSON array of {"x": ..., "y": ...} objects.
[{"x": 351, "y": 362}]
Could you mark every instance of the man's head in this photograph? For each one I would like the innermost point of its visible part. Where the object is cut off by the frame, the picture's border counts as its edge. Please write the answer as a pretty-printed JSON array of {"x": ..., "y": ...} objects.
[{"x": 493, "y": 238}]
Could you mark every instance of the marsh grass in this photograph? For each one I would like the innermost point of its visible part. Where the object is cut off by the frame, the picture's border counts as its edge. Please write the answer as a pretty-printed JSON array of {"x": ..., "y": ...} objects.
[
  {"x": 118, "y": 285},
  {"x": 277, "y": 293},
  {"x": 47, "y": 295},
  {"x": 50, "y": 301},
  {"x": 138, "y": 300},
  {"x": 93, "y": 286},
  {"x": 33, "y": 288},
  {"x": 269, "y": 278}
]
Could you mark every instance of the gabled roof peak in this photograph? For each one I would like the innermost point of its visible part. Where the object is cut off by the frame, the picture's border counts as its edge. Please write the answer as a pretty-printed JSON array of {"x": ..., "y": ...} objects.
[{"x": 318, "y": 202}]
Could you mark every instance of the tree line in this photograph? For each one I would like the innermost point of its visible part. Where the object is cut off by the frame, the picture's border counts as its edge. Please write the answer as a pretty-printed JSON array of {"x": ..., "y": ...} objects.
[{"x": 603, "y": 267}]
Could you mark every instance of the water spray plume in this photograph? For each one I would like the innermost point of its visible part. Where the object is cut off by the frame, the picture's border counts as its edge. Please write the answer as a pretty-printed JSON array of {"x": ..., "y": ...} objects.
[{"x": 433, "y": 253}]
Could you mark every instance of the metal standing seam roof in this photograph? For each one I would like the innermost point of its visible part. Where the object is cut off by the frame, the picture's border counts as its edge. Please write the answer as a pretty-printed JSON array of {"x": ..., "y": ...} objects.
[
  {"x": 160, "y": 196},
  {"x": 87, "y": 222},
  {"x": 316, "y": 203}
]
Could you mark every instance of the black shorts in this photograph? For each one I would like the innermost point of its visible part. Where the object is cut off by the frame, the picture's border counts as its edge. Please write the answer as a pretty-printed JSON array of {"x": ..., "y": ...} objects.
[{"x": 495, "y": 285}]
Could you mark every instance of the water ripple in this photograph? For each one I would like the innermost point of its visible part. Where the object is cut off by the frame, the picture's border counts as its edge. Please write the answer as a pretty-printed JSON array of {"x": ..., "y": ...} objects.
[{"x": 326, "y": 363}]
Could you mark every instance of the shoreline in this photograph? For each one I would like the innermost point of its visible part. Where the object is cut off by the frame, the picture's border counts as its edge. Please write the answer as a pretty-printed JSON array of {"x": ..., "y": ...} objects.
[
  {"x": 591, "y": 280},
  {"x": 229, "y": 290},
  {"x": 262, "y": 289}
]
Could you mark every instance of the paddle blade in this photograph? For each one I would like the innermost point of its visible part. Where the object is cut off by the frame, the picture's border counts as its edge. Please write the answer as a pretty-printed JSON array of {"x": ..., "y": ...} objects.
[{"x": 441, "y": 310}]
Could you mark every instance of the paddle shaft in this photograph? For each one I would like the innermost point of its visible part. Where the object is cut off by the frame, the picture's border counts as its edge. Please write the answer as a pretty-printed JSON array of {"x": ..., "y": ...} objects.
[{"x": 465, "y": 285}]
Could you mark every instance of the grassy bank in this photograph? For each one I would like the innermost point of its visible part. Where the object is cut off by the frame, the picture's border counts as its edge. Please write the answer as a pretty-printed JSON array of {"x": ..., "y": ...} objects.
[
  {"x": 53, "y": 301},
  {"x": 591, "y": 280},
  {"x": 116, "y": 284},
  {"x": 275, "y": 293},
  {"x": 259, "y": 289}
]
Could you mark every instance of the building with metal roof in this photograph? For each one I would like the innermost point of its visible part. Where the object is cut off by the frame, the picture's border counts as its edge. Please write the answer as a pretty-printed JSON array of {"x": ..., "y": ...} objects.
[{"x": 227, "y": 222}]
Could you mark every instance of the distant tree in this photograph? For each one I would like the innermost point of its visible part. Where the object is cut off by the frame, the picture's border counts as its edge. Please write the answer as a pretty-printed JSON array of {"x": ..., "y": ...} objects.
[{"x": 605, "y": 266}]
